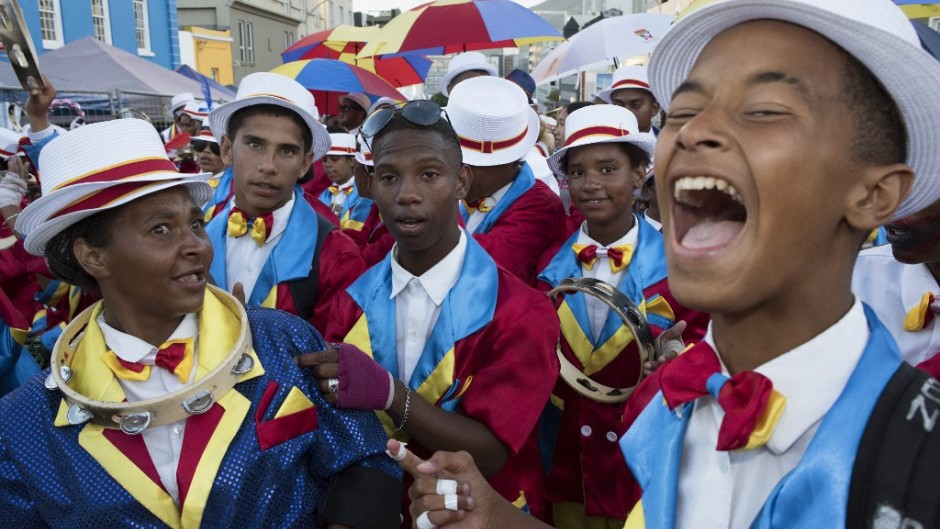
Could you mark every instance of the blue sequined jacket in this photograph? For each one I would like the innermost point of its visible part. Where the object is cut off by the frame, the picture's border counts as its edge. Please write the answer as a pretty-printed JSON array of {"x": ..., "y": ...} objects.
[{"x": 82, "y": 476}]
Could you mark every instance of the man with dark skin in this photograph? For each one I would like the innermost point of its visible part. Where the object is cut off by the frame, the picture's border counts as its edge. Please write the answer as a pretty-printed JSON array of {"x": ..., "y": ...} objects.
[
  {"x": 631, "y": 90},
  {"x": 433, "y": 316},
  {"x": 745, "y": 244},
  {"x": 900, "y": 282}
]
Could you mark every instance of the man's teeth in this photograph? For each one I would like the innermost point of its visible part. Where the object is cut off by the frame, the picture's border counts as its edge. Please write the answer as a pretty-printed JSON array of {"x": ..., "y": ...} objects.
[
  {"x": 191, "y": 278},
  {"x": 699, "y": 183}
]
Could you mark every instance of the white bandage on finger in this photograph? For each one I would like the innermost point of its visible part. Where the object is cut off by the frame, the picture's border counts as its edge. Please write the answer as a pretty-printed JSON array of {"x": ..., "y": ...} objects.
[
  {"x": 674, "y": 345},
  {"x": 423, "y": 522},
  {"x": 446, "y": 486},
  {"x": 450, "y": 502},
  {"x": 402, "y": 452}
]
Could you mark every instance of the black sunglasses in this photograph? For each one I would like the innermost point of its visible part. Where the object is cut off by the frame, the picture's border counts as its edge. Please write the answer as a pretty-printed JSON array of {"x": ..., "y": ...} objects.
[
  {"x": 422, "y": 112},
  {"x": 200, "y": 145}
]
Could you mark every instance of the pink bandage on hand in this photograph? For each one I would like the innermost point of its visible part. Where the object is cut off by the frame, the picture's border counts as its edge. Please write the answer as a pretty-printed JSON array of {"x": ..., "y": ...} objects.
[{"x": 363, "y": 383}]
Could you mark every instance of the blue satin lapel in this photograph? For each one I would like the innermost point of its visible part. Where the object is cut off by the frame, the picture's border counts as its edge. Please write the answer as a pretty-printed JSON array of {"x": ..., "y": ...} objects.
[
  {"x": 523, "y": 182},
  {"x": 657, "y": 470},
  {"x": 224, "y": 188},
  {"x": 359, "y": 211},
  {"x": 372, "y": 293},
  {"x": 468, "y": 307},
  {"x": 564, "y": 265},
  {"x": 293, "y": 254},
  {"x": 818, "y": 489},
  {"x": 217, "y": 229}
]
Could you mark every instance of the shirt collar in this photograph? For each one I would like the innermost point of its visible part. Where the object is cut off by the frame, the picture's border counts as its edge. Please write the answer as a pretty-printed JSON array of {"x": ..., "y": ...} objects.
[
  {"x": 812, "y": 375},
  {"x": 132, "y": 349},
  {"x": 439, "y": 279},
  {"x": 916, "y": 279},
  {"x": 281, "y": 216},
  {"x": 629, "y": 238}
]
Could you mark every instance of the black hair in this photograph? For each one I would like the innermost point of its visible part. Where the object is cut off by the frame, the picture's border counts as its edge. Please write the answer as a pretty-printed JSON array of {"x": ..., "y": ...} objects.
[
  {"x": 879, "y": 136},
  {"x": 577, "y": 105},
  {"x": 637, "y": 156},
  {"x": 240, "y": 115},
  {"x": 60, "y": 255},
  {"x": 442, "y": 128},
  {"x": 336, "y": 129}
]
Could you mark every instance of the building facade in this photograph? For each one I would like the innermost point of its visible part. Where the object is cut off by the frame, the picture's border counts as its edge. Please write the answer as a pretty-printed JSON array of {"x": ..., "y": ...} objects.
[
  {"x": 152, "y": 35},
  {"x": 262, "y": 29}
]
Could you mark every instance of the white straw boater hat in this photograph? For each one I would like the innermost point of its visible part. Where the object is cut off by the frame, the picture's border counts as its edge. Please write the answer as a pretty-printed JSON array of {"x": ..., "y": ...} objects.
[
  {"x": 600, "y": 124},
  {"x": 493, "y": 121},
  {"x": 9, "y": 143},
  {"x": 342, "y": 144},
  {"x": 627, "y": 77},
  {"x": 196, "y": 110},
  {"x": 79, "y": 181},
  {"x": 876, "y": 32},
  {"x": 205, "y": 134},
  {"x": 364, "y": 155},
  {"x": 465, "y": 62},
  {"x": 266, "y": 88}
]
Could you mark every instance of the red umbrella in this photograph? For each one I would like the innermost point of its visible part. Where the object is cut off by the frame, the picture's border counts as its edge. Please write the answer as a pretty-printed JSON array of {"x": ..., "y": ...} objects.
[
  {"x": 328, "y": 75},
  {"x": 449, "y": 26},
  {"x": 344, "y": 42}
]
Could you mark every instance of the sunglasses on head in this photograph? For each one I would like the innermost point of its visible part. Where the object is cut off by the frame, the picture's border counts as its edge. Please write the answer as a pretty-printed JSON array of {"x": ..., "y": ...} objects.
[
  {"x": 200, "y": 145},
  {"x": 422, "y": 112}
]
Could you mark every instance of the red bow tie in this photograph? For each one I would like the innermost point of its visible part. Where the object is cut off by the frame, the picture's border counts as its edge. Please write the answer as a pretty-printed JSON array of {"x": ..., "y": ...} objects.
[
  {"x": 752, "y": 407},
  {"x": 922, "y": 314},
  {"x": 175, "y": 356},
  {"x": 619, "y": 255},
  {"x": 480, "y": 205},
  {"x": 261, "y": 226}
]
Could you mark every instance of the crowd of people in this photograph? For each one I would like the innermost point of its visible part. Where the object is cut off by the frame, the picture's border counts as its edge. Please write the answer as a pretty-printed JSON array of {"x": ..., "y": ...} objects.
[{"x": 704, "y": 299}]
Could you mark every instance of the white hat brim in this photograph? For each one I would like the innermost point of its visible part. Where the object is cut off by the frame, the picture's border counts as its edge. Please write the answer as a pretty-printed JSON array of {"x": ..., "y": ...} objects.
[
  {"x": 219, "y": 117},
  {"x": 39, "y": 229},
  {"x": 605, "y": 94},
  {"x": 449, "y": 76},
  {"x": 643, "y": 140},
  {"x": 909, "y": 74},
  {"x": 512, "y": 154}
]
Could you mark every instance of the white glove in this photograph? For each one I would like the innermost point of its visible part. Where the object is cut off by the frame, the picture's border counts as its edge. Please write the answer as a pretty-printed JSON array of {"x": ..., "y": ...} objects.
[{"x": 12, "y": 189}]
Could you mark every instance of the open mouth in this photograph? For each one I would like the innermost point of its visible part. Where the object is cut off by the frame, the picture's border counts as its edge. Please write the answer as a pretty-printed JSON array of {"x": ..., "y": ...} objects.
[
  {"x": 708, "y": 212},
  {"x": 191, "y": 278}
]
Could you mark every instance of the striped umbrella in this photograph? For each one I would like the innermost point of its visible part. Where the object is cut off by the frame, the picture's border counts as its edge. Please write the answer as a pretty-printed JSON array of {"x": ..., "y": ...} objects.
[
  {"x": 343, "y": 43},
  {"x": 330, "y": 75},
  {"x": 450, "y": 26}
]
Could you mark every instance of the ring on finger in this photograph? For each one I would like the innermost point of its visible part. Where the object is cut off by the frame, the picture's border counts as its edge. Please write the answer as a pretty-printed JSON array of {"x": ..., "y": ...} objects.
[
  {"x": 423, "y": 522},
  {"x": 450, "y": 502},
  {"x": 446, "y": 486},
  {"x": 333, "y": 384}
]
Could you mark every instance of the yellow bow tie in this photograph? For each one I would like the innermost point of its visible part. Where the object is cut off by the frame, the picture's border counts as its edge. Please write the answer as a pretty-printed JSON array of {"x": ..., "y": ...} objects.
[
  {"x": 238, "y": 225},
  {"x": 483, "y": 205},
  {"x": 618, "y": 256},
  {"x": 921, "y": 315},
  {"x": 336, "y": 190},
  {"x": 176, "y": 356}
]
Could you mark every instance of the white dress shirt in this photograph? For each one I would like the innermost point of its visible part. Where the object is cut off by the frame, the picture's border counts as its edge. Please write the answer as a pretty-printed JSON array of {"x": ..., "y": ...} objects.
[
  {"x": 892, "y": 289},
  {"x": 164, "y": 443},
  {"x": 729, "y": 488},
  {"x": 418, "y": 302},
  {"x": 244, "y": 259},
  {"x": 476, "y": 218},
  {"x": 597, "y": 310}
]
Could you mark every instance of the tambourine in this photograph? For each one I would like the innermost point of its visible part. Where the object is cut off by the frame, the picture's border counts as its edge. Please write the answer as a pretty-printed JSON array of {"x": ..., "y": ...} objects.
[
  {"x": 631, "y": 316},
  {"x": 134, "y": 417},
  {"x": 19, "y": 45}
]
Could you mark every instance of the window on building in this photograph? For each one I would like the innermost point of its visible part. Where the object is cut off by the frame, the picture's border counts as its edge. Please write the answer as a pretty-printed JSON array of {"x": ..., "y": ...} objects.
[
  {"x": 342, "y": 19},
  {"x": 246, "y": 43},
  {"x": 100, "y": 20},
  {"x": 142, "y": 27},
  {"x": 215, "y": 74},
  {"x": 50, "y": 23},
  {"x": 287, "y": 7},
  {"x": 288, "y": 39}
]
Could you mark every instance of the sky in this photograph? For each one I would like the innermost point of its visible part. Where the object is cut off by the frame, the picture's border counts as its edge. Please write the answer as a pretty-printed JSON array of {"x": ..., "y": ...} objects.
[{"x": 404, "y": 5}]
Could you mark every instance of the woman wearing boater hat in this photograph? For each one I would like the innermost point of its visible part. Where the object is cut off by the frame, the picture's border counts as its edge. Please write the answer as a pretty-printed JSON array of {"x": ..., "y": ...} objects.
[{"x": 169, "y": 403}]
